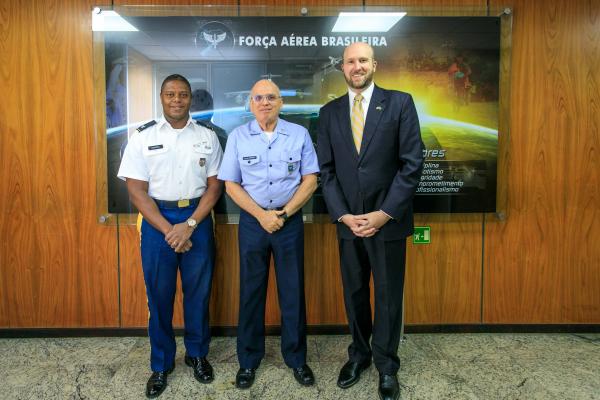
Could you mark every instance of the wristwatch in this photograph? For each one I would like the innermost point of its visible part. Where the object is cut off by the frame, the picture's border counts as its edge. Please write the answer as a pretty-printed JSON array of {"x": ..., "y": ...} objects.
[
  {"x": 284, "y": 216},
  {"x": 192, "y": 223}
]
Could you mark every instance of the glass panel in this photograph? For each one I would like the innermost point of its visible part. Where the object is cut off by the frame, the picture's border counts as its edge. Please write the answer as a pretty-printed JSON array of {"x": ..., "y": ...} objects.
[{"x": 457, "y": 69}]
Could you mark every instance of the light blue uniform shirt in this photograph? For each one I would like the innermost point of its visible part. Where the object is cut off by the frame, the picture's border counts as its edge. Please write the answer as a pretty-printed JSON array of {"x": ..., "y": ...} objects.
[{"x": 269, "y": 171}]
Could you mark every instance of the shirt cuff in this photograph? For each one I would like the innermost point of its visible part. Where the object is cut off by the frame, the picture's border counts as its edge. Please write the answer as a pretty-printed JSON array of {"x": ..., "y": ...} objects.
[
  {"x": 388, "y": 215},
  {"x": 340, "y": 218}
]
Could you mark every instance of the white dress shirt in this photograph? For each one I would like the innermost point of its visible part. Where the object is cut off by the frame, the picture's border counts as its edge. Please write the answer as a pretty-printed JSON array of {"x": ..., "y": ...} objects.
[
  {"x": 366, "y": 94},
  {"x": 176, "y": 163}
]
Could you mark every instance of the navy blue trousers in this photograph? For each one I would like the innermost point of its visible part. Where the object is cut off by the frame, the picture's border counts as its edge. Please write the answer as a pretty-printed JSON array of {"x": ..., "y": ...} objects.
[
  {"x": 256, "y": 247},
  {"x": 160, "y": 264}
]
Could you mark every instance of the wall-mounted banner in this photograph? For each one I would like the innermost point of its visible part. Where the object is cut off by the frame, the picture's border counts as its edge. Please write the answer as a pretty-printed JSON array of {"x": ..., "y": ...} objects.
[{"x": 449, "y": 64}]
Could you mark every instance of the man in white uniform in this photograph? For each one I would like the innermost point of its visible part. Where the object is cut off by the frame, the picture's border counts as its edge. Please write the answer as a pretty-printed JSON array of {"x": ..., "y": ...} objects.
[{"x": 171, "y": 167}]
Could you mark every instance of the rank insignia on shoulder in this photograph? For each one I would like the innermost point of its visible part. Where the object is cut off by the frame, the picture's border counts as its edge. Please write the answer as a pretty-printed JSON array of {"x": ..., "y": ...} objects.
[
  {"x": 202, "y": 162},
  {"x": 204, "y": 124},
  {"x": 146, "y": 125}
]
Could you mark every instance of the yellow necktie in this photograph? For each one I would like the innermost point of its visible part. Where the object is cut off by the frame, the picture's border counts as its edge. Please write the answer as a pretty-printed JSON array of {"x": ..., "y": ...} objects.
[{"x": 358, "y": 121}]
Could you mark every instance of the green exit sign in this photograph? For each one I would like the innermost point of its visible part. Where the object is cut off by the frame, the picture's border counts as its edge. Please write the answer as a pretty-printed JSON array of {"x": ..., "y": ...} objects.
[{"x": 422, "y": 235}]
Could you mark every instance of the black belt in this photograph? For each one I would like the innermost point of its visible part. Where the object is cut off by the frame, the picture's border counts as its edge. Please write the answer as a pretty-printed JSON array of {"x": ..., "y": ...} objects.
[
  {"x": 177, "y": 203},
  {"x": 272, "y": 209}
]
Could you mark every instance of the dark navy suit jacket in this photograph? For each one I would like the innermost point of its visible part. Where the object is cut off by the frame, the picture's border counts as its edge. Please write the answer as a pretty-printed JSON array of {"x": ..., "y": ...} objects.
[{"x": 385, "y": 175}]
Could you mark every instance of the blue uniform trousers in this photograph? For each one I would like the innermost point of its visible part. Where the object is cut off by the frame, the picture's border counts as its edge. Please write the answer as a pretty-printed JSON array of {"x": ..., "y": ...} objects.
[
  {"x": 160, "y": 264},
  {"x": 287, "y": 247}
]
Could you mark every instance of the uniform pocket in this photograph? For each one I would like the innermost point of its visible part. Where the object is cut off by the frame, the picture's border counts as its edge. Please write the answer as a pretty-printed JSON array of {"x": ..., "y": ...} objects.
[{"x": 291, "y": 160}]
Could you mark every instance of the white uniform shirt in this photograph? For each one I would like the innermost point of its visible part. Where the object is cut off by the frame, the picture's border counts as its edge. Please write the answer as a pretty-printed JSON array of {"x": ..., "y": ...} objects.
[
  {"x": 366, "y": 100},
  {"x": 175, "y": 162}
]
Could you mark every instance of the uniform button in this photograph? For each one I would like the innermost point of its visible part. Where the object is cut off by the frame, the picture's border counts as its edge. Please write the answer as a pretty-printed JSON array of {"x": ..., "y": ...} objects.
[
  {"x": 248, "y": 162},
  {"x": 290, "y": 158},
  {"x": 270, "y": 201},
  {"x": 269, "y": 147},
  {"x": 270, "y": 165},
  {"x": 270, "y": 183}
]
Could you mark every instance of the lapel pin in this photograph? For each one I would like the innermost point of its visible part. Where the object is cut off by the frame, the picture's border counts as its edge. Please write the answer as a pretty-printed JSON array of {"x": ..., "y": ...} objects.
[{"x": 379, "y": 108}]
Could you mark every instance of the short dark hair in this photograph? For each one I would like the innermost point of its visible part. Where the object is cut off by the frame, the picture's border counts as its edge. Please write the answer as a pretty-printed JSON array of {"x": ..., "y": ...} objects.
[{"x": 176, "y": 77}]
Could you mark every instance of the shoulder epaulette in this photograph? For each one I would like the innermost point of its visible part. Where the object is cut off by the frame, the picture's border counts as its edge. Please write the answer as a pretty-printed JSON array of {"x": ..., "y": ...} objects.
[
  {"x": 205, "y": 124},
  {"x": 146, "y": 125}
]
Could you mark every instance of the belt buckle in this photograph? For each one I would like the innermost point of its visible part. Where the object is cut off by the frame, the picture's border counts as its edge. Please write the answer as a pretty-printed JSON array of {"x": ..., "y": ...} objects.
[{"x": 183, "y": 203}]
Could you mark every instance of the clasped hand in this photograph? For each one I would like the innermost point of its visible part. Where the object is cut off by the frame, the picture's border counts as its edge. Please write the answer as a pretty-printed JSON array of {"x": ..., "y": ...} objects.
[
  {"x": 179, "y": 237},
  {"x": 271, "y": 221},
  {"x": 365, "y": 225}
]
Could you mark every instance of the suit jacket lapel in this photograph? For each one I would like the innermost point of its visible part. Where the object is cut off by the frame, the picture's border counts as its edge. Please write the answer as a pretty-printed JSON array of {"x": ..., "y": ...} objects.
[
  {"x": 374, "y": 113},
  {"x": 343, "y": 116}
]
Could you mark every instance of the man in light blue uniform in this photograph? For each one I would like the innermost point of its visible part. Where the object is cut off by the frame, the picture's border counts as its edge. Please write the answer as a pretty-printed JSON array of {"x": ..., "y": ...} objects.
[
  {"x": 170, "y": 167},
  {"x": 269, "y": 168}
]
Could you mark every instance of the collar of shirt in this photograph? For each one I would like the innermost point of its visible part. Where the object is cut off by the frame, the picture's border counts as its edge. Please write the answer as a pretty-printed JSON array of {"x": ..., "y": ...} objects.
[
  {"x": 280, "y": 129},
  {"x": 163, "y": 122},
  {"x": 366, "y": 94}
]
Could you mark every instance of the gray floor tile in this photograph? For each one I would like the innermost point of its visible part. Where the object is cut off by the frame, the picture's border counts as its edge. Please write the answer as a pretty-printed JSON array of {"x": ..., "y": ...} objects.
[{"x": 433, "y": 366}]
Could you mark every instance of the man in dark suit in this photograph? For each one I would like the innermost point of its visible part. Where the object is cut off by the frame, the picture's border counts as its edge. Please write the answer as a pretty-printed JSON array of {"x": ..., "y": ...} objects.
[{"x": 371, "y": 157}]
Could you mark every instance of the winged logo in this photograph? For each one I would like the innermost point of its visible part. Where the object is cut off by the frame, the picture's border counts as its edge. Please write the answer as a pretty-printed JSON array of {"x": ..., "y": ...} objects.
[{"x": 214, "y": 38}]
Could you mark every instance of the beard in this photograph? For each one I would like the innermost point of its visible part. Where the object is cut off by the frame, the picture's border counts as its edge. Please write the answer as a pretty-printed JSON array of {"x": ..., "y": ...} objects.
[{"x": 367, "y": 79}]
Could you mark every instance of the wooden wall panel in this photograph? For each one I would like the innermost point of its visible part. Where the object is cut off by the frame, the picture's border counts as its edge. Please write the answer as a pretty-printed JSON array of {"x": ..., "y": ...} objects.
[
  {"x": 226, "y": 279},
  {"x": 58, "y": 267},
  {"x": 323, "y": 288},
  {"x": 174, "y": 7},
  {"x": 435, "y": 7},
  {"x": 323, "y": 281},
  {"x": 293, "y": 7},
  {"x": 173, "y": 2},
  {"x": 443, "y": 278},
  {"x": 134, "y": 306},
  {"x": 134, "y": 309},
  {"x": 58, "y": 264},
  {"x": 16, "y": 197},
  {"x": 542, "y": 264}
]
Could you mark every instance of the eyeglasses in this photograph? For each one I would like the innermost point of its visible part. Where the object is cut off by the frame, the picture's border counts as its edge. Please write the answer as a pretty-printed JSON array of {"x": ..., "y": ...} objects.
[{"x": 271, "y": 98}]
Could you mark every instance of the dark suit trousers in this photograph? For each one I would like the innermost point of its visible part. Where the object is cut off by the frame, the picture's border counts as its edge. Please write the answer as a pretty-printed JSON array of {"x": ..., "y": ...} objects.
[{"x": 386, "y": 260}]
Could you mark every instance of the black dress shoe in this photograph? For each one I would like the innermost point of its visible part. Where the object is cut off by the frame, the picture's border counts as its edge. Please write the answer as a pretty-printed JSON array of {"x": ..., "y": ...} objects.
[
  {"x": 157, "y": 383},
  {"x": 388, "y": 387},
  {"x": 203, "y": 371},
  {"x": 350, "y": 373},
  {"x": 304, "y": 375},
  {"x": 244, "y": 378}
]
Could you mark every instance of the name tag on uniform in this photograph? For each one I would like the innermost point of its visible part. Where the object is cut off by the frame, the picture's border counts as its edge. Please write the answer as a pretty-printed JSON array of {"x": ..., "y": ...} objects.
[
  {"x": 249, "y": 158},
  {"x": 290, "y": 168},
  {"x": 155, "y": 147},
  {"x": 202, "y": 162}
]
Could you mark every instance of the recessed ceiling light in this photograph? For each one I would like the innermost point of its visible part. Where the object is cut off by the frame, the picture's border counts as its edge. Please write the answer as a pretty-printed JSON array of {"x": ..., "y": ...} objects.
[{"x": 366, "y": 21}]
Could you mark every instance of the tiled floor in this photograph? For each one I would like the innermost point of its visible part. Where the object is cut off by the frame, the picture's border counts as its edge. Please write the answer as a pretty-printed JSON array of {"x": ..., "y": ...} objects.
[{"x": 433, "y": 366}]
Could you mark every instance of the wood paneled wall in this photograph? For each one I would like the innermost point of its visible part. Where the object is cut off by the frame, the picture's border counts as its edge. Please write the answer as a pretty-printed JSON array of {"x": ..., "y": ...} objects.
[
  {"x": 542, "y": 265},
  {"x": 60, "y": 268}
]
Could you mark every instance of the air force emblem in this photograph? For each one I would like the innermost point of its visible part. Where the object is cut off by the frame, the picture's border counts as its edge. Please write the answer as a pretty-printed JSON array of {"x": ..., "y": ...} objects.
[{"x": 214, "y": 38}]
